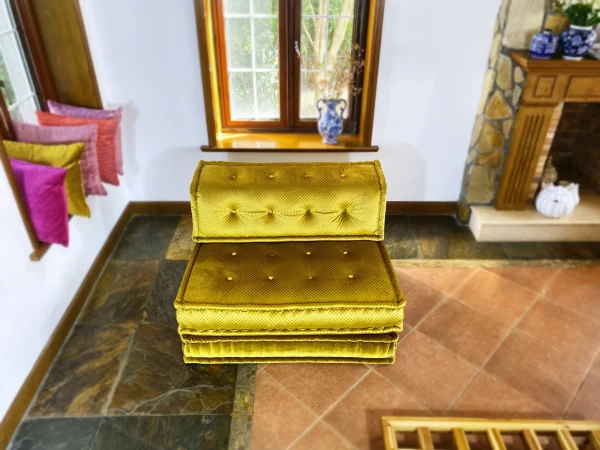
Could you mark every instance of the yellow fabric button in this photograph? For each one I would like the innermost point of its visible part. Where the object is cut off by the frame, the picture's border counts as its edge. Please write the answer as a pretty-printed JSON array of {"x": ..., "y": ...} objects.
[
  {"x": 270, "y": 278},
  {"x": 230, "y": 278},
  {"x": 233, "y": 254},
  {"x": 350, "y": 276}
]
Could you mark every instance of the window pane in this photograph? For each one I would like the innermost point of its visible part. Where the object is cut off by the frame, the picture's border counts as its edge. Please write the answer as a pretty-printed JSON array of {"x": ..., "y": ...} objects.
[
  {"x": 341, "y": 7},
  {"x": 241, "y": 93},
  {"x": 239, "y": 43},
  {"x": 265, "y": 6},
  {"x": 313, "y": 41},
  {"x": 252, "y": 42},
  {"x": 28, "y": 109},
  {"x": 314, "y": 7},
  {"x": 7, "y": 89},
  {"x": 266, "y": 35},
  {"x": 326, "y": 44},
  {"x": 267, "y": 93},
  {"x": 6, "y": 22},
  {"x": 13, "y": 58},
  {"x": 237, "y": 6}
]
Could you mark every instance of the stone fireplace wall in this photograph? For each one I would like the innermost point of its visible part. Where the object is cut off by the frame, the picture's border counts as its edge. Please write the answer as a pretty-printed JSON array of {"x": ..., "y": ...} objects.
[{"x": 516, "y": 23}]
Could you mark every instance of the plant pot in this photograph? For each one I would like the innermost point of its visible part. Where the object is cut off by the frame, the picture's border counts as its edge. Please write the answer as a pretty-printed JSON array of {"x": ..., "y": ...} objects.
[
  {"x": 576, "y": 41},
  {"x": 330, "y": 123},
  {"x": 543, "y": 45}
]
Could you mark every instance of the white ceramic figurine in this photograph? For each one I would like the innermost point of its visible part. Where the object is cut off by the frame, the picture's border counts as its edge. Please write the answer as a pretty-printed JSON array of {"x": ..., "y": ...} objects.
[{"x": 557, "y": 201}]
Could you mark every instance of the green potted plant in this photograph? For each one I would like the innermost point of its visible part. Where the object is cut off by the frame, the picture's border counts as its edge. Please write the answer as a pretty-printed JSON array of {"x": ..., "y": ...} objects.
[{"x": 583, "y": 16}]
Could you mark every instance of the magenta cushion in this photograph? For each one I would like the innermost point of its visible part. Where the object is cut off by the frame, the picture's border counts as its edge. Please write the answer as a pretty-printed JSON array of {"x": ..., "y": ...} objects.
[
  {"x": 99, "y": 114},
  {"x": 88, "y": 134},
  {"x": 43, "y": 189}
]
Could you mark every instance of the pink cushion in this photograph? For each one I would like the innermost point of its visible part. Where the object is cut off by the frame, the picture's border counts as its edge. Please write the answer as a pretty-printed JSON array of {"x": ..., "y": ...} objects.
[
  {"x": 43, "y": 189},
  {"x": 105, "y": 144},
  {"x": 88, "y": 113},
  {"x": 88, "y": 134}
]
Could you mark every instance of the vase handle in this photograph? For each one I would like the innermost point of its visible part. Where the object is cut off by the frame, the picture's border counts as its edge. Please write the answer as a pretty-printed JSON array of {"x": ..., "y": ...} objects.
[
  {"x": 343, "y": 107},
  {"x": 319, "y": 107}
]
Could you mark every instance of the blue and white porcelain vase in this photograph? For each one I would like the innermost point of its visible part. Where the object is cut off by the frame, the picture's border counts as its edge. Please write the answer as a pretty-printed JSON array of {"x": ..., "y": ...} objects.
[
  {"x": 543, "y": 45},
  {"x": 330, "y": 122},
  {"x": 576, "y": 41}
]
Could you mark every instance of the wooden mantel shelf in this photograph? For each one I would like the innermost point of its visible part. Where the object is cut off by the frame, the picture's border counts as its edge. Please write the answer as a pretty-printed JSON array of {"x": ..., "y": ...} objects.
[
  {"x": 548, "y": 85},
  {"x": 555, "y": 64}
]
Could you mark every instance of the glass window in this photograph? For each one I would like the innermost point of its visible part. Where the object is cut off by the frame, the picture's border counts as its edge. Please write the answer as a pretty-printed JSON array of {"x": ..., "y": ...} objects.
[
  {"x": 326, "y": 41},
  {"x": 252, "y": 48},
  {"x": 15, "y": 79}
]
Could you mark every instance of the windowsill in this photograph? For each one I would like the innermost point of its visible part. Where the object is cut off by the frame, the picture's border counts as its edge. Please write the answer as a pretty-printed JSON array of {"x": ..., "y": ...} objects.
[{"x": 284, "y": 142}]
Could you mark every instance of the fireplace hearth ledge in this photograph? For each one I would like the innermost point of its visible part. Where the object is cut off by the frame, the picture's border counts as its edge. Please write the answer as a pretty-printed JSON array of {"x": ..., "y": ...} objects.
[{"x": 491, "y": 225}]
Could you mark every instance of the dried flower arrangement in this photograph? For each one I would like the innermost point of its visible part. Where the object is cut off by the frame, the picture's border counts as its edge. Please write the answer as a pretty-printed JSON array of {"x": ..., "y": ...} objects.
[{"x": 336, "y": 77}]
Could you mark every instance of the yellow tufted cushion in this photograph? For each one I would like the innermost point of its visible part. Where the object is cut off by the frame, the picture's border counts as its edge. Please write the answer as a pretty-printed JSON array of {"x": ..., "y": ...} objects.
[
  {"x": 287, "y": 201},
  {"x": 260, "y": 288},
  {"x": 290, "y": 301},
  {"x": 65, "y": 156},
  {"x": 376, "y": 348},
  {"x": 302, "y": 287}
]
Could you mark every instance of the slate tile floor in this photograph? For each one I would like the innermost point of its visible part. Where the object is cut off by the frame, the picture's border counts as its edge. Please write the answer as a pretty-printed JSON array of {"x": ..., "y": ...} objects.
[{"x": 468, "y": 349}]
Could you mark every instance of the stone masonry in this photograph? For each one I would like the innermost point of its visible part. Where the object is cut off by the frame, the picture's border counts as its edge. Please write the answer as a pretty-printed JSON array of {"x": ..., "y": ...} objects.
[{"x": 516, "y": 23}]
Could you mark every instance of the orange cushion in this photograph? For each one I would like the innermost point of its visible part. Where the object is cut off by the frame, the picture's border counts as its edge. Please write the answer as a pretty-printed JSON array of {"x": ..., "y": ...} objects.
[{"x": 105, "y": 146}]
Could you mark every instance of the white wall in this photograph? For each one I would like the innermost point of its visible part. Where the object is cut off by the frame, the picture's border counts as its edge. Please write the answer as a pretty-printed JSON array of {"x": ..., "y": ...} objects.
[
  {"x": 433, "y": 58},
  {"x": 34, "y": 295},
  {"x": 432, "y": 64}
]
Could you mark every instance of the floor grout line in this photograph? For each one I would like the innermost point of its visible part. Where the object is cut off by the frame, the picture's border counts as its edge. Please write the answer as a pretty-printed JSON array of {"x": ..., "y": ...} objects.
[
  {"x": 119, "y": 375},
  {"x": 109, "y": 397},
  {"x": 328, "y": 409},
  {"x": 495, "y": 350},
  {"x": 583, "y": 380}
]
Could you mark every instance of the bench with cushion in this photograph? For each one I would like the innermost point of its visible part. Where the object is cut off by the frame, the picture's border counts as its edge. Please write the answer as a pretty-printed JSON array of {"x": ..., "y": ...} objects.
[{"x": 289, "y": 266}]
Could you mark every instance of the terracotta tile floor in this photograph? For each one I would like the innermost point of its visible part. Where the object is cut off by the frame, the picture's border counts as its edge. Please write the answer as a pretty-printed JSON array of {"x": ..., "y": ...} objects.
[{"x": 509, "y": 342}]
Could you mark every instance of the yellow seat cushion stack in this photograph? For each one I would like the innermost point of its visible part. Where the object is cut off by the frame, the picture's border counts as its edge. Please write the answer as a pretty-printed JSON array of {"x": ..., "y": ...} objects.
[{"x": 289, "y": 266}]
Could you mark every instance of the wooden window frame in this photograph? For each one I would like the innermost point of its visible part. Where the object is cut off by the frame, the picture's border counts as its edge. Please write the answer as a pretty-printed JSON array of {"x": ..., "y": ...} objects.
[
  {"x": 223, "y": 137},
  {"x": 37, "y": 56}
]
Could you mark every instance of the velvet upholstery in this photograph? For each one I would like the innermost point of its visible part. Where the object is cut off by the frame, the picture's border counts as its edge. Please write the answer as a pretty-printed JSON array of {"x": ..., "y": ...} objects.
[
  {"x": 65, "y": 156},
  {"x": 236, "y": 202},
  {"x": 289, "y": 266},
  {"x": 294, "y": 286},
  {"x": 43, "y": 190}
]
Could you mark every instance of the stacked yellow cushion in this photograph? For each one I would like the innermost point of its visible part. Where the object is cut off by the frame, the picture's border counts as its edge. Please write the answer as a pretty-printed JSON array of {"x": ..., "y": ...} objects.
[
  {"x": 289, "y": 266},
  {"x": 65, "y": 156}
]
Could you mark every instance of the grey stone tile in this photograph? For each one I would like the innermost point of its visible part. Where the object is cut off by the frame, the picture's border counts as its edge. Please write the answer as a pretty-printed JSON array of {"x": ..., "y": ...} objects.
[
  {"x": 83, "y": 375},
  {"x": 160, "y": 304},
  {"x": 163, "y": 433},
  {"x": 147, "y": 237},
  {"x": 121, "y": 293},
  {"x": 400, "y": 240},
  {"x": 442, "y": 237},
  {"x": 55, "y": 434},
  {"x": 157, "y": 381}
]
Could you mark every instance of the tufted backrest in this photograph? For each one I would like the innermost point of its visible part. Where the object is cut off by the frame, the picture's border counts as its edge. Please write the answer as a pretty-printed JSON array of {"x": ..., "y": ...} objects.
[{"x": 250, "y": 202}]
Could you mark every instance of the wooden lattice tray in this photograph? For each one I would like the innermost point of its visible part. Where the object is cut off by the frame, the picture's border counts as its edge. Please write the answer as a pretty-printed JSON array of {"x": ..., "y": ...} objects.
[{"x": 425, "y": 433}]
